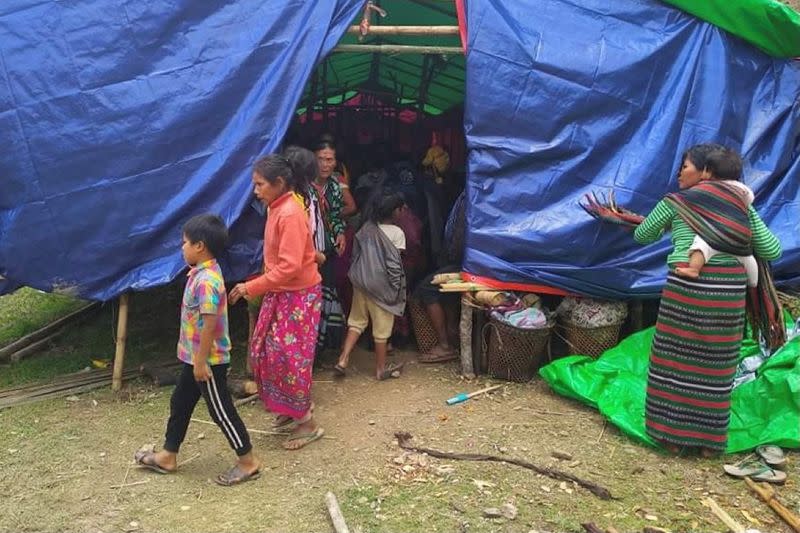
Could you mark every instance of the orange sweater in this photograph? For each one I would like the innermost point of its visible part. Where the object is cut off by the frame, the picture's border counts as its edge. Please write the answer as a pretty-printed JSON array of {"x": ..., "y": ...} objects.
[{"x": 288, "y": 250}]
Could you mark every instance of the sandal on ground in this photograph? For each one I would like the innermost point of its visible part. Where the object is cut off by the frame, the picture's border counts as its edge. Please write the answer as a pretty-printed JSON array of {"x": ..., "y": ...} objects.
[
  {"x": 283, "y": 422},
  {"x": 339, "y": 370},
  {"x": 303, "y": 439},
  {"x": 147, "y": 459},
  {"x": 235, "y": 475},
  {"x": 772, "y": 455},
  {"x": 755, "y": 470},
  {"x": 392, "y": 370},
  {"x": 438, "y": 355}
]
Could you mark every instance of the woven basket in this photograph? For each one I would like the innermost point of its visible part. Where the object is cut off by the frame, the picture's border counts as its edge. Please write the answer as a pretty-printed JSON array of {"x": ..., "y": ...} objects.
[
  {"x": 791, "y": 303},
  {"x": 515, "y": 354},
  {"x": 590, "y": 341},
  {"x": 423, "y": 329}
]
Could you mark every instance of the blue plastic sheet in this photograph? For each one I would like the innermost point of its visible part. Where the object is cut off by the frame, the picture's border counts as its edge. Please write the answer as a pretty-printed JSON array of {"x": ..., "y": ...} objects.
[
  {"x": 571, "y": 97},
  {"x": 121, "y": 119}
]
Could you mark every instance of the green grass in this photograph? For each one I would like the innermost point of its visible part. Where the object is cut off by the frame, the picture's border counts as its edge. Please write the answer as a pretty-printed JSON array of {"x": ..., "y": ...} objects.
[{"x": 26, "y": 310}]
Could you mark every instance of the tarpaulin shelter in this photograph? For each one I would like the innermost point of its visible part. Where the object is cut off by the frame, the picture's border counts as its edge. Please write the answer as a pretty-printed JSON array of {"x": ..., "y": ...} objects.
[{"x": 119, "y": 120}]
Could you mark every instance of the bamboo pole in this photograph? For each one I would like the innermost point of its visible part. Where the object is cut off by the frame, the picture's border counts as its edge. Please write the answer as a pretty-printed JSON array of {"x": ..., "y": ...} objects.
[
  {"x": 339, "y": 525},
  {"x": 122, "y": 337},
  {"x": 27, "y": 340},
  {"x": 406, "y": 30},
  {"x": 398, "y": 49},
  {"x": 465, "y": 337}
]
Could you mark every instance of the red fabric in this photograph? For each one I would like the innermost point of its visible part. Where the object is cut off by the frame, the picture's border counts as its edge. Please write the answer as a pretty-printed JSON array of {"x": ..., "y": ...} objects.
[{"x": 462, "y": 23}]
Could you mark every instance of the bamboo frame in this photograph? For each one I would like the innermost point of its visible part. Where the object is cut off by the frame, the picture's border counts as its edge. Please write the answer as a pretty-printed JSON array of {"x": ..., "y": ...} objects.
[
  {"x": 398, "y": 49},
  {"x": 406, "y": 30},
  {"x": 122, "y": 336}
]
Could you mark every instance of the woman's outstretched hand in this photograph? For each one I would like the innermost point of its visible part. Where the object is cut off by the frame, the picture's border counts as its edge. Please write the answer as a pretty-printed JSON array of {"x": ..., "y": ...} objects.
[{"x": 238, "y": 292}]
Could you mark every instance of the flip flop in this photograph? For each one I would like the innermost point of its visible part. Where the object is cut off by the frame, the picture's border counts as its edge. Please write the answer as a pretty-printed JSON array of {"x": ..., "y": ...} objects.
[
  {"x": 147, "y": 459},
  {"x": 748, "y": 467},
  {"x": 339, "y": 370},
  {"x": 439, "y": 356},
  {"x": 285, "y": 423},
  {"x": 772, "y": 455},
  {"x": 392, "y": 370},
  {"x": 235, "y": 475},
  {"x": 303, "y": 438}
]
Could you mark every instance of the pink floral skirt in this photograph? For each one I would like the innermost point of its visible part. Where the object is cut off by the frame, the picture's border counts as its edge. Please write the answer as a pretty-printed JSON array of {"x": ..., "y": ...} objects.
[{"x": 283, "y": 347}]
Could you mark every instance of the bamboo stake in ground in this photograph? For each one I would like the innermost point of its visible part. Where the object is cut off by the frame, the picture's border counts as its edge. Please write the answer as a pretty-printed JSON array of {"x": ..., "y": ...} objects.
[
  {"x": 767, "y": 493},
  {"x": 122, "y": 336},
  {"x": 336, "y": 513}
]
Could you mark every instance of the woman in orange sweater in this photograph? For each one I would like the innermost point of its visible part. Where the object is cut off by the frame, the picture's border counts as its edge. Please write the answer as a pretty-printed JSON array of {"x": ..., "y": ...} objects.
[{"x": 285, "y": 336}]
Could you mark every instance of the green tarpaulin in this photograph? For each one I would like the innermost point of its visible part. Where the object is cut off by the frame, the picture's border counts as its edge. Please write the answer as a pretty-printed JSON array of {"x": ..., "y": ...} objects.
[
  {"x": 764, "y": 411},
  {"x": 767, "y": 24}
]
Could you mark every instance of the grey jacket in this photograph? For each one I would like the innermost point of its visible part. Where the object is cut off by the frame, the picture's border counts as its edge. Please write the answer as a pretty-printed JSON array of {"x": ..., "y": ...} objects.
[{"x": 377, "y": 269}]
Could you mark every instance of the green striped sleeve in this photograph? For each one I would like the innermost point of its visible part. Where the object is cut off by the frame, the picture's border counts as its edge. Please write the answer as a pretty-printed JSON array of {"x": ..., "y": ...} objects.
[
  {"x": 765, "y": 244},
  {"x": 652, "y": 227}
]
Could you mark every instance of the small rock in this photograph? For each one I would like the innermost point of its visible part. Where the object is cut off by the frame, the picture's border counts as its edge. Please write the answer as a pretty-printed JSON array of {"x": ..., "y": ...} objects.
[
  {"x": 492, "y": 512},
  {"x": 509, "y": 510},
  {"x": 503, "y": 449},
  {"x": 201, "y": 436},
  {"x": 72, "y": 399},
  {"x": 545, "y": 488},
  {"x": 363, "y": 500},
  {"x": 95, "y": 404},
  {"x": 185, "y": 507},
  {"x": 563, "y": 456},
  {"x": 651, "y": 517},
  {"x": 102, "y": 454},
  {"x": 134, "y": 524},
  {"x": 371, "y": 422}
]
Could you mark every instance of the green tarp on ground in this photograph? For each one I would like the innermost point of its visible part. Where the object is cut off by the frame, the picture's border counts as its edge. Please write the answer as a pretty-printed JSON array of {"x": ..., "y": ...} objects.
[
  {"x": 763, "y": 411},
  {"x": 771, "y": 26}
]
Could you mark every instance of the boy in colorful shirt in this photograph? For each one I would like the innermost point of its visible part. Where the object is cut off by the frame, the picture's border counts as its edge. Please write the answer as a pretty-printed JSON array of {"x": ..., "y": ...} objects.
[{"x": 204, "y": 348}]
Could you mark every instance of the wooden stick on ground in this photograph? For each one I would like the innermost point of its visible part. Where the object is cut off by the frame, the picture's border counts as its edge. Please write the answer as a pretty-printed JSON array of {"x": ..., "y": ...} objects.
[
  {"x": 404, "y": 441},
  {"x": 767, "y": 493},
  {"x": 724, "y": 517},
  {"x": 336, "y": 513}
]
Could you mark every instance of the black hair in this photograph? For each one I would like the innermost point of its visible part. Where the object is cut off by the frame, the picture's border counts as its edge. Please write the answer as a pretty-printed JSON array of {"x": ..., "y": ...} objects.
[
  {"x": 326, "y": 141},
  {"x": 208, "y": 229},
  {"x": 723, "y": 163},
  {"x": 384, "y": 206},
  {"x": 270, "y": 167},
  {"x": 304, "y": 167}
]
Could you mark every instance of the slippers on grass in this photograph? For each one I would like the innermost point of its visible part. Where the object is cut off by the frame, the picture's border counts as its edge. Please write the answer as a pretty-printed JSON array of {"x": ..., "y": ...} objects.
[
  {"x": 301, "y": 440},
  {"x": 147, "y": 459},
  {"x": 772, "y": 455},
  {"x": 235, "y": 475},
  {"x": 755, "y": 470}
]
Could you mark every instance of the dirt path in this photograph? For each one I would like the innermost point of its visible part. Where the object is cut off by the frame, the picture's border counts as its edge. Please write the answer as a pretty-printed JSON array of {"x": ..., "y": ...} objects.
[{"x": 59, "y": 459}]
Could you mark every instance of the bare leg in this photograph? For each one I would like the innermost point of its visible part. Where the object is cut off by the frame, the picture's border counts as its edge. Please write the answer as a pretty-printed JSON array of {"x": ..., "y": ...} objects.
[
  {"x": 382, "y": 370},
  {"x": 439, "y": 322},
  {"x": 696, "y": 262},
  {"x": 347, "y": 348}
]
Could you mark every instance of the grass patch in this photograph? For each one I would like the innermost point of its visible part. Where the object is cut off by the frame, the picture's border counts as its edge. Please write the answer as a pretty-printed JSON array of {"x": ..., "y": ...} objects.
[
  {"x": 26, "y": 310},
  {"x": 153, "y": 326}
]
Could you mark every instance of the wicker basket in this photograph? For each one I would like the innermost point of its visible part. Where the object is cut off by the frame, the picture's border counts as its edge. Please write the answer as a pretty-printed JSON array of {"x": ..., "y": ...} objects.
[
  {"x": 515, "y": 354},
  {"x": 791, "y": 303},
  {"x": 590, "y": 341},
  {"x": 423, "y": 329}
]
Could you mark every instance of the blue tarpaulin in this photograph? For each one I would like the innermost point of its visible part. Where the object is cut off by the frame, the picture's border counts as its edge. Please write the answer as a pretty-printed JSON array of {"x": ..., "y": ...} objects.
[
  {"x": 121, "y": 119},
  {"x": 573, "y": 97}
]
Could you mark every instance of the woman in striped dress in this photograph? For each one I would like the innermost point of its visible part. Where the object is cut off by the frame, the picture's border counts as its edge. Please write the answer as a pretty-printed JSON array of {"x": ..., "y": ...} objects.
[{"x": 700, "y": 321}]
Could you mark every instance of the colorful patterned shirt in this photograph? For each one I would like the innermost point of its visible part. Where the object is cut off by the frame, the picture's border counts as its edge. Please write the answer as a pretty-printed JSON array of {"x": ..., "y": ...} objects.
[
  {"x": 331, "y": 202},
  {"x": 204, "y": 295}
]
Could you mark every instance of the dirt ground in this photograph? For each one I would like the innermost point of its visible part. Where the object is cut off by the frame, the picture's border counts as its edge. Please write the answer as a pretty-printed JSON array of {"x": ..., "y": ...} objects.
[{"x": 61, "y": 460}]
